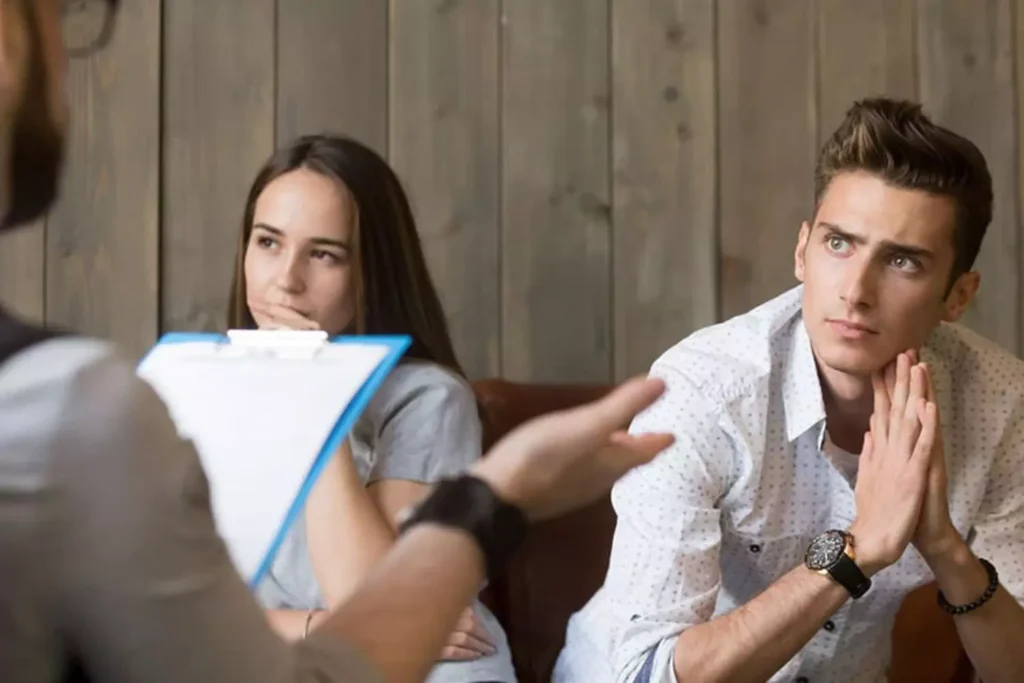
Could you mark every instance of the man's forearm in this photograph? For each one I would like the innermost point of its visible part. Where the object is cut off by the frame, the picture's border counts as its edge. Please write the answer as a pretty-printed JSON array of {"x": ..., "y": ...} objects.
[
  {"x": 403, "y": 613},
  {"x": 756, "y": 640},
  {"x": 992, "y": 634}
]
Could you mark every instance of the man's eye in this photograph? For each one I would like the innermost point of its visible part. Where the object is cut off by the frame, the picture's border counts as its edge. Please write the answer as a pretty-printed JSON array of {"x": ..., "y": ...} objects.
[
  {"x": 836, "y": 243},
  {"x": 903, "y": 262}
]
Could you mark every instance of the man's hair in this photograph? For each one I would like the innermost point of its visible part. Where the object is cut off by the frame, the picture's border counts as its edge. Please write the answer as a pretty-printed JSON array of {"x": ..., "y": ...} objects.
[{"x": 893, "y": 140}]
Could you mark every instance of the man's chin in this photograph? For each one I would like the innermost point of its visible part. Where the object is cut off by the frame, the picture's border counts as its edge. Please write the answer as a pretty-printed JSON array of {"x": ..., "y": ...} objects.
[{"x": 855, "y": 362}]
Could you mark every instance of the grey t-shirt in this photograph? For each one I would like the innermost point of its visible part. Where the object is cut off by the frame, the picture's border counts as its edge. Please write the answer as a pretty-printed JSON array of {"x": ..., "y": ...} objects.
[
  {"x": 108, "y": 545},
  {"x": 421, "y": 425}
]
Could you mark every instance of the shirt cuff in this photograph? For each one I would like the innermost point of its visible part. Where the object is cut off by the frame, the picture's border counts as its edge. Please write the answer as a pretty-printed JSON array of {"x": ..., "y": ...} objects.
[{"x": 659, "y": 664}]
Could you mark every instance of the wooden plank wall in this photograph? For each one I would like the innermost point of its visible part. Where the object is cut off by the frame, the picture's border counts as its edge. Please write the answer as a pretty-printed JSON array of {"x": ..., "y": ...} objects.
[{"x": 594, "y": 179}]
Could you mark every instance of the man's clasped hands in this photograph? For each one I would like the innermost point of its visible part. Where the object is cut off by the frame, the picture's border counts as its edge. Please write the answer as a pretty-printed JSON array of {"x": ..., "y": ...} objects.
[{"x": 901, "y": 491}]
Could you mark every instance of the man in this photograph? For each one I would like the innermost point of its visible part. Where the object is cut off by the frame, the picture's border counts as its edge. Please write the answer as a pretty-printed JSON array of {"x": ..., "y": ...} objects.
[
  {"x": 110, "y": 565},
  {"x": 776, "y": 539}
]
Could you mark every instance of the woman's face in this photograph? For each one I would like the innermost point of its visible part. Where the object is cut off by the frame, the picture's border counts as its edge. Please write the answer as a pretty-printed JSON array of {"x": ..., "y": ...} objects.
[{"x": 299, "y": 256}]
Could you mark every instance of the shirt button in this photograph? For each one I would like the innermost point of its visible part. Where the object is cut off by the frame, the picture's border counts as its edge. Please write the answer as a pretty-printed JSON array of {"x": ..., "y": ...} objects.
[
  {"x": 755, "y": 548},
  {"x": 829, "y": 626}
]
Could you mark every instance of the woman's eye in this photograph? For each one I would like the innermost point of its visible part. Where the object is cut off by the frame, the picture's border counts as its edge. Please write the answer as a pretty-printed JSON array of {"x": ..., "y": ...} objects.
[
  {"x": 327, "y": 256},
  {"x": 264, "y": 242}
]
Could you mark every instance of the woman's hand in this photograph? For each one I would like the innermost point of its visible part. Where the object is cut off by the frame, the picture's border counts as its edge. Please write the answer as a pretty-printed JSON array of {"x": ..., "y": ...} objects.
[
  {"x": 470, "y": 640},
  {"x": 279, "y": 317}
]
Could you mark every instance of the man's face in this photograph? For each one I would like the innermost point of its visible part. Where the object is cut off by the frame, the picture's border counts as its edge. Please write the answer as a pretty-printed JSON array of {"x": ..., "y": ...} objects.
[
  {"x": 875, "y": 267},
  {"x": 32, "y": 74}
]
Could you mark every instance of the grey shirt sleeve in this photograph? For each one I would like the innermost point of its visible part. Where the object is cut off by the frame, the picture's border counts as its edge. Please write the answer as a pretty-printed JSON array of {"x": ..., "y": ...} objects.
[
  {"x": 141, "y": 584},
  {"x": 425, "y": 425}
]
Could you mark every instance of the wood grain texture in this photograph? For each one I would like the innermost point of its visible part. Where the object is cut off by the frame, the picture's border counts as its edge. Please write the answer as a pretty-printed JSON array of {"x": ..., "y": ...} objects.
[
  {"x": 767, "y": 144},
  {"x": 218, "y": 130},
  {"x": 865, "y": 48},
  {"x": 102, "y": 237},
  {"x": 332, "y": 69},
  {"x": 1019, "y": 189},
  {"x": 445, "y": 146},
  {"x": 967, "y": 84},
  {"x": 556, "y": 284},
  {"x": 664, "y": 176},
  {"x": 23, "y": 271}
]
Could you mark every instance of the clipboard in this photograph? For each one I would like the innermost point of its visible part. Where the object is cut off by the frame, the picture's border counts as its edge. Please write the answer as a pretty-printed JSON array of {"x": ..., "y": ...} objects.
[{"x": 265, "y": 411}]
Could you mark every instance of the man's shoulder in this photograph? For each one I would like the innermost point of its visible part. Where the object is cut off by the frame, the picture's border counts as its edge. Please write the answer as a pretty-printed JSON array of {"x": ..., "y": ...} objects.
[
  {"x": 71, "y": 388},
  {"x": 734, "y": 357},
  {"x": 979, "y": 366}
]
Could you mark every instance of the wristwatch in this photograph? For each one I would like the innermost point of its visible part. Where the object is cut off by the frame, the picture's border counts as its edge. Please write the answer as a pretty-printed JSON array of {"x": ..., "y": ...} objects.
[
  {"x": 832, "y": 554},
  {"x": 468, "y": 503}
]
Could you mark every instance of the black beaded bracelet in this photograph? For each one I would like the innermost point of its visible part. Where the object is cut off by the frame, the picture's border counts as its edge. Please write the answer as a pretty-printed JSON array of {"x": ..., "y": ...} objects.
[{"x": 993, "y": 584}]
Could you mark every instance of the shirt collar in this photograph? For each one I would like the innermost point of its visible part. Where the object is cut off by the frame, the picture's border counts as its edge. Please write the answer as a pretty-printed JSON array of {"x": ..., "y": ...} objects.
[
  {"x": 803, "y": 404},
  {"x": 802, "y": 400}
]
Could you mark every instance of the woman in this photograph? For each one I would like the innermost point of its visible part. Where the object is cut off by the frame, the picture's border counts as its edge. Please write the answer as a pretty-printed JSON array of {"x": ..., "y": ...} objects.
[{"x": 328, "y": 242}]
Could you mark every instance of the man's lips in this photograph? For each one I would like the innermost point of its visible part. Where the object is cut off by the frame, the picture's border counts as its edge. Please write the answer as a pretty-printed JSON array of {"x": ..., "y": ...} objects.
[{"x": 850, "y": 329}]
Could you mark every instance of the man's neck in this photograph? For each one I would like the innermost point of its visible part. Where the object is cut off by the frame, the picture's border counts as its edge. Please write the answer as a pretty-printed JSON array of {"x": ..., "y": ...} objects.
[{"x": 849, "y": 402}]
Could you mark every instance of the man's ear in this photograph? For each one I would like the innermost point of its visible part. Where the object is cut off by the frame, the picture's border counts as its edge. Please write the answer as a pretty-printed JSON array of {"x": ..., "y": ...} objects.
[
  {"x": 801, "y": 247},
  {"x": 961, "y": 295}
]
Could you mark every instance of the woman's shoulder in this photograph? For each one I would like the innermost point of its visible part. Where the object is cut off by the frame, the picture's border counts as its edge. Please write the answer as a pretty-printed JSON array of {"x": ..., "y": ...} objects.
[{"x": 415, "y": 386}]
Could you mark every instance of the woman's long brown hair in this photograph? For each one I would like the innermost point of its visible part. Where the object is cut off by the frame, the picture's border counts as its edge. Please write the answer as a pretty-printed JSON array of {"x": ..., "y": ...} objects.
[{"x": 394, "y": 291}]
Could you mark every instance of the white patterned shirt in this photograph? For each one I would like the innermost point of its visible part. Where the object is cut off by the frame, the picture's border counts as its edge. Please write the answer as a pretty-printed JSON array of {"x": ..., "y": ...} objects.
[{"x": 751, "y": 479}]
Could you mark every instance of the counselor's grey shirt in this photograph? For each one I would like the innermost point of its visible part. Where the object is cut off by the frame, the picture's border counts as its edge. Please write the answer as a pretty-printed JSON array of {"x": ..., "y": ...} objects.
[
  {"x": 421, "y": 425},
  {"x": 107, "y": 541}
]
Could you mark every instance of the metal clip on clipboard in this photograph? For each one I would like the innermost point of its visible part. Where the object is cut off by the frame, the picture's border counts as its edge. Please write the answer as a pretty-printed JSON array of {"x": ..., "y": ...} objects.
[{"x": 295, "y": 344}]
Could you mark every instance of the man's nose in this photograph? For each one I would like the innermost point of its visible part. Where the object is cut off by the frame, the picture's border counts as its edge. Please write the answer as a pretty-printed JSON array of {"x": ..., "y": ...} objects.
[{"x": 859, "y": 284}]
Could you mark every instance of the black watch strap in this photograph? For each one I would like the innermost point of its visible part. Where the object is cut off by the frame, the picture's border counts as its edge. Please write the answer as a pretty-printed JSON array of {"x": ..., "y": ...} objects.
[
  {"x": 848, "y": 575},
  {"x": 469, "y": 503}
]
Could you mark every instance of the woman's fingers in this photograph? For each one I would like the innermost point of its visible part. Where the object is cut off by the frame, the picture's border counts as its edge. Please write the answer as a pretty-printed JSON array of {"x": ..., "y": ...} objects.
[
  {"x": 278, "y": 317},
  {"x": 469, "y": 640},
  {"x": 458, "y": 654}
]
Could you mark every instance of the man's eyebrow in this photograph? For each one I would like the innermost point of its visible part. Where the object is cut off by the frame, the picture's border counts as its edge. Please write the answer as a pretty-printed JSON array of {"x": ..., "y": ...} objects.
[
  {"x": 887, "y": 245},
  {"x": 322, "y": 241}
]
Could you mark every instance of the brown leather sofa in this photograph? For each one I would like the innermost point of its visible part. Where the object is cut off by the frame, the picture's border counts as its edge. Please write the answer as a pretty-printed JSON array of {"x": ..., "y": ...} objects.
[{"x": 563, "y": 562}]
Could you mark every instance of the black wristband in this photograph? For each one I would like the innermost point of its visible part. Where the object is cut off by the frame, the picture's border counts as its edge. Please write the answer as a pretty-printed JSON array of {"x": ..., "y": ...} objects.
[
  {"x": 993, "y": 584},
  {"x": 469, "y": 503}
]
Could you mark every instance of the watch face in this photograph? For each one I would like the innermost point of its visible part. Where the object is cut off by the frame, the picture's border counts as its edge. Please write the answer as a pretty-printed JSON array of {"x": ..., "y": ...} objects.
[{"x": 825, "y": 550}]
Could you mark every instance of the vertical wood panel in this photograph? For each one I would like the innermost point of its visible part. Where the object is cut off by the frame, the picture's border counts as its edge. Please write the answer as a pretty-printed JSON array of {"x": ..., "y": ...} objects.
[
  {"x": 555, "y": 202},
  {"x": 23, "y": 271},
  {"x": 102, "y": 238},
  {"x": 664, "y": 175},
  {"x": 1019, "y": 189},
  {"x": 218, "y": 130},
  {"x": 865, "y": 48},
  {"x": 332, "y": 69},
  {"x": 444, "y": 145},
  {"x": 767, "y": 144},
  {"x": 967, "y": 84}
]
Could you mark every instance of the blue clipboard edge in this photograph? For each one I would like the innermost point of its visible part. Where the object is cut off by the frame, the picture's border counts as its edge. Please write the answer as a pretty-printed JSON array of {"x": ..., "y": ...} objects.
[{"x": 397, "y": 346}]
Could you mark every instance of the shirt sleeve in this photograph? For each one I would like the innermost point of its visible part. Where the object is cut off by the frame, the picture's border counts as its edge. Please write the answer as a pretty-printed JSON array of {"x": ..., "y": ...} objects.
[
  {"x": 998, "y": 535},
  {"x": 144, "y": 588},
  {"x": 428, "y": 428},
  {"x": 663, "y": 574}
]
